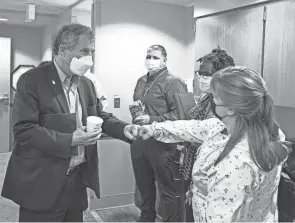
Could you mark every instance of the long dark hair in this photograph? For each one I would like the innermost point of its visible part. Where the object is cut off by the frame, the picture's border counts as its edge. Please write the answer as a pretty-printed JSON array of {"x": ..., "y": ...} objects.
[{"x": 244, "y": 91}]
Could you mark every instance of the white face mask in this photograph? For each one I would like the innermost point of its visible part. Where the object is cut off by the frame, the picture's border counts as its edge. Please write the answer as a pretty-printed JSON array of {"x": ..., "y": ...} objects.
[
  {"x": 152, "y": 65},
  {"x": 82, "y": 65},
  {"x": 204, "y": 84}
]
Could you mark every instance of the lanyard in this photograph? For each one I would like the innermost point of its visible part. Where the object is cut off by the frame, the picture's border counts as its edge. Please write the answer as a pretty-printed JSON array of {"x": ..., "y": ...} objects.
[{"x": 147, "y": 89}]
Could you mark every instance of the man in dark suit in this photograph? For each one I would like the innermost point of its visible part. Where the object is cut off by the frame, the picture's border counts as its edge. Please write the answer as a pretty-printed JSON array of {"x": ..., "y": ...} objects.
[{"x": 54, "y": 159}]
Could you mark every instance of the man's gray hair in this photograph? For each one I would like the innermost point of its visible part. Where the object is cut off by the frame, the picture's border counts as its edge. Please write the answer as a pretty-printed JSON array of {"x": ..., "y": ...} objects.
[{"x": 68, "y": 36}]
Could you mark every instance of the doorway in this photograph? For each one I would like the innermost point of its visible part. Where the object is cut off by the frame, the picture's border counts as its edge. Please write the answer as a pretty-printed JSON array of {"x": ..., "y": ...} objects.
[{"x": 5, "y": 64}]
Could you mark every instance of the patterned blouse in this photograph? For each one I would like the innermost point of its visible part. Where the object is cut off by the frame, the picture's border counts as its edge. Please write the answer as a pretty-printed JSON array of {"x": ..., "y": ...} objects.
[
  {"x": 200, "y": 112},
  {"x": 233, "y": 190}
]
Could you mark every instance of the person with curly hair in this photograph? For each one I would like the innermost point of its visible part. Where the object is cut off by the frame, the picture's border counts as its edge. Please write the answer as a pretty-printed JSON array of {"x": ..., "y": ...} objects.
[
  {"x": 209, "y": 64},
  {"x": 237, "y": 169}
]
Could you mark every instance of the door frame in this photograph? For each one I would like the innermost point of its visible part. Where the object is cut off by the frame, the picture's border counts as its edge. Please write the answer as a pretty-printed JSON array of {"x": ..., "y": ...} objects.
[
  {"x": 7, "y": 103},
  {"x": 245, "y": 7}
]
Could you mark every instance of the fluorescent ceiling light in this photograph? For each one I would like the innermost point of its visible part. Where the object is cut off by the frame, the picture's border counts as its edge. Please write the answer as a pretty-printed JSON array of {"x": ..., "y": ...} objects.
[{"x": 3, "y": 19}]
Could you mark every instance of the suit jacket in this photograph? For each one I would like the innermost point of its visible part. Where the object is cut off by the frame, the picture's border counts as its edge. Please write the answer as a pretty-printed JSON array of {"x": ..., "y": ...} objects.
[{"x": 43, "y": 130}]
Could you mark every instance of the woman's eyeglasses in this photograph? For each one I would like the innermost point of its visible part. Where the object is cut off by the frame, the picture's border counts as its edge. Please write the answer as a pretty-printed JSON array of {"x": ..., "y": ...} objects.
[
  {"x": 204, "y": 74},
  {"x": 148, "y": 57}
]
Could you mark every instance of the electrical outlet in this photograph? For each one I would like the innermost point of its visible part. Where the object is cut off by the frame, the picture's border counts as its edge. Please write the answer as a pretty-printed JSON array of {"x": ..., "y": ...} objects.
[{"x": 116, "y": 102}]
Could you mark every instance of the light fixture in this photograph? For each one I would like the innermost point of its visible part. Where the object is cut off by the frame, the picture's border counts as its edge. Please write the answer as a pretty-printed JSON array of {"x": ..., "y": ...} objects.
[
  {"x": 3, "y": 19},
  {"x": 30, "y": 12}
]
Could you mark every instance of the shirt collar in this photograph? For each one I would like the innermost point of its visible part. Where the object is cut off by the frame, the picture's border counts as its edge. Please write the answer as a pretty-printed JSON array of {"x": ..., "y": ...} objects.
[
  {"x": 63, "y": 76},
  {"x": 160, "y": 71}
]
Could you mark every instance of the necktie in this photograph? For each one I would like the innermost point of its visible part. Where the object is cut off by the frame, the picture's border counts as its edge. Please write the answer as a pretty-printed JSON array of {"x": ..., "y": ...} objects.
[
  {"x": 78, "y": 117},
  {"x": 72, "y": 89}
]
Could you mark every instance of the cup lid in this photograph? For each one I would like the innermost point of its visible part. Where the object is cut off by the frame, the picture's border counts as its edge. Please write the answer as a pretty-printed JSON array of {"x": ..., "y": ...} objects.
[{"x": 94, "y": 119}]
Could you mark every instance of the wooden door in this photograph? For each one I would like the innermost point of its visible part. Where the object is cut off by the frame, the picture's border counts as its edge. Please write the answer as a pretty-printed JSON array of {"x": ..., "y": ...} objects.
[
  {"x": 238, "y": 32},
  {"x": 210, "y": 33},
  {"x": 279, "y": 63},
  {"x": 244, "y": 29},
  {"x": 5, "y": 46}
]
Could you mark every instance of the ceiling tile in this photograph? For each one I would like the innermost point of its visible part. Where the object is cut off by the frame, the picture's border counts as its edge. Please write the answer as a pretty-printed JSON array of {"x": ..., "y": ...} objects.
[{"x": 42, "y": 6}]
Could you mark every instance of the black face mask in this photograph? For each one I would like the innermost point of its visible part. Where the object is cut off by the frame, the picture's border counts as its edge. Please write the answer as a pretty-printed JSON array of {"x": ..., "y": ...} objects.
[{"x": 213, "y": 108}]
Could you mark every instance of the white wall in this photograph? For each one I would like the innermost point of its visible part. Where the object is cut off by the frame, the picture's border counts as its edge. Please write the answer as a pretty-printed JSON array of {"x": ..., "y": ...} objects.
[
  {"x": 68, "y": 17},
  {"x": 26, "y": 44},
  {"x": 81, "y": 16},
  {"x": 50, "y": 31},
  {"x": 18, "y": 18},
  {"x": 47, "y": 44},
  {"x": 124, "y": 30}
]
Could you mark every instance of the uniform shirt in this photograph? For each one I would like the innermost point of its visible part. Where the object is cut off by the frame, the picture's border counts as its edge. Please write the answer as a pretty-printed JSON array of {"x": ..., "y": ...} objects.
[{"x": 156, "y": 92}]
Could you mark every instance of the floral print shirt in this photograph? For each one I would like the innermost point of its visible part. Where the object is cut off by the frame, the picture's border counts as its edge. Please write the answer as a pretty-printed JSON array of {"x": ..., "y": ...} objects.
[{"x": 233, "y": 190}]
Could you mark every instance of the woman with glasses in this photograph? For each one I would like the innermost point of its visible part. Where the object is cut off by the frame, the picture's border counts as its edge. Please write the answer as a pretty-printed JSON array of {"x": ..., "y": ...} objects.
[
  {"x": 209, "y": 64},
  {"x": 237, "y": 170}
]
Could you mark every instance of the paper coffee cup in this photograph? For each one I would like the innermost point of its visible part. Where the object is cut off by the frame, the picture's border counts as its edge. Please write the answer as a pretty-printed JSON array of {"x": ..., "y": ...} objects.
[{"x": 94, "y": 123}]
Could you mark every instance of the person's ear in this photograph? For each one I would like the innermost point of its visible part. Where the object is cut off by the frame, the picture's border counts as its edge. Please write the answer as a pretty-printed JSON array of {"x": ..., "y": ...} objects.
[
  {"x": 62, "y": 53},
  {"x": 231, "y": 112},
  {"x": 212, "y": 71}
]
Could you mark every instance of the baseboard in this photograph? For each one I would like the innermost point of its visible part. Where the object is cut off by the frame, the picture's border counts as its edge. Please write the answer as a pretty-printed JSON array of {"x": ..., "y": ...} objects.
[
  {"x": 158, "y": 216},
  {"x": 114, "y": 207},
  {"x": 96, "y": 216},
  {"x": 113, "y": 201}
]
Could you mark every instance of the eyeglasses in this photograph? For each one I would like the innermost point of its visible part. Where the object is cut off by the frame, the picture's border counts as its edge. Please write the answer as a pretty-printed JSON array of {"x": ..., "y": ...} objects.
[
  {"x": 204, "y": 74},
  {"x": 87, "y": 51},
  {"x": 148, "y": 57}
]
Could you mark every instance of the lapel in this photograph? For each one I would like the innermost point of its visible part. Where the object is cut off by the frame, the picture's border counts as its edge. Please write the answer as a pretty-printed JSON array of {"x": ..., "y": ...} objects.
[
  {"x": 83, "y": 101},
  {"x": 56, "y": 86}
]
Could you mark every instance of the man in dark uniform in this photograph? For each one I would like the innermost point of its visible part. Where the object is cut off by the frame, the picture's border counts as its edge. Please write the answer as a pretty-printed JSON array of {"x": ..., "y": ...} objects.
[{"x": 152, "y": 160}]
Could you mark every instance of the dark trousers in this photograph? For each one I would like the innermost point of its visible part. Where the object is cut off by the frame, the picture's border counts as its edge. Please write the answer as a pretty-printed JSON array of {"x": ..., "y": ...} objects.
[
  {"x": 153, "y": 161},
  {"x": 189, "y": 216},
  {"x": 69, "y": 206},
  {"x": 286, "y": 200}
]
